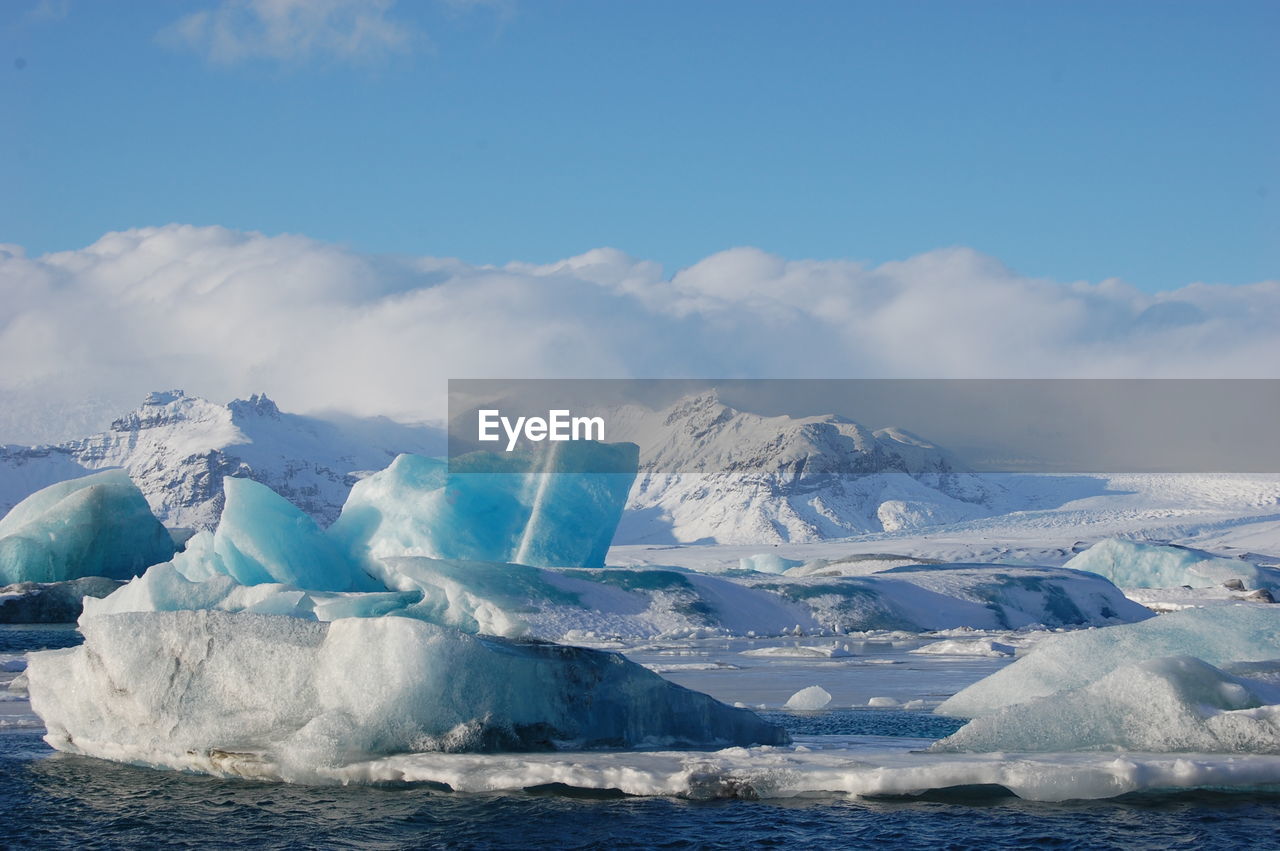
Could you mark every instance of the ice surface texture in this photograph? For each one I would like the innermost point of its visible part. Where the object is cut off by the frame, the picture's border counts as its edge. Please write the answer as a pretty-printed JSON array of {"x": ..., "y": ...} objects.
[
  {"x": 263, "y": 538},
  {"x": 1063, "y": 663},
  {"x": 573, "y": 604},
  {"x": 539, "y": 509},
  {"x": 1176, "y": 703},
  {"x": 187, "y": 689},
  {"x": 1130, "y": 564},
  {"x": 97, "y": 525}
]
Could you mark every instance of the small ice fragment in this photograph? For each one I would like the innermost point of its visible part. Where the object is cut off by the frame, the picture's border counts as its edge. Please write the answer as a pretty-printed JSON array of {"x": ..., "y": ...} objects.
[
  {"x": 882, "y": 701},
  {"x": 813, "y": 697}
]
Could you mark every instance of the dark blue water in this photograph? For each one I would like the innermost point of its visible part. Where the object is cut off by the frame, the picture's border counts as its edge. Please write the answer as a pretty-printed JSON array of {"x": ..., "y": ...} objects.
[{"x": 52, "y": 800}]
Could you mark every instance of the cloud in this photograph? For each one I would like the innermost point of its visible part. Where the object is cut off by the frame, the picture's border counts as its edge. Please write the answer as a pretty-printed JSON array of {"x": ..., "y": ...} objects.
[
  {"x": 224, "y": 313},
  {"x": 292, "y": 31}
]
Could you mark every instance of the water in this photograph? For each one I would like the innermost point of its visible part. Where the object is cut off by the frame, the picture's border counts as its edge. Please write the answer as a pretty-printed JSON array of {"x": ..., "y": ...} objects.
[{"x": 53, "y": 800}]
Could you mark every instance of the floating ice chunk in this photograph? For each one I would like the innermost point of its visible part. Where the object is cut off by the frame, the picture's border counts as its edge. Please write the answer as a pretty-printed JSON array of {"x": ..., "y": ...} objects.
[
  {"x": 822, "y": 651},
  {"x": 808, "y": 699},
  {"x": 545, "y": 509},
  {"x": 1130, "y": 564},
  {"x": 96, "y": 525},
  {"x": 973, "y": 647},
  {"x": 883, "y": 702},
  {"x": 768, "y": 563},
  {"x": 209, "y": 690},
  {"x": 1175, "y": 703},
  {"x": 1071, "y": 660}
]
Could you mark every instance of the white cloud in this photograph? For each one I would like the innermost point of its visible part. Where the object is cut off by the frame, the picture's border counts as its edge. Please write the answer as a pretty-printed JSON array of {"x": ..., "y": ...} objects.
[
  {"x": 225, "y": 313},
  {"x": 292, "y": 30}
]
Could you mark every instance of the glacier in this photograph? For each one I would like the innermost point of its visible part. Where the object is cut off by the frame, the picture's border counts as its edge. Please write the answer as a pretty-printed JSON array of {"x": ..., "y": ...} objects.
[
  {"x": 1131, "y": 564},
  {"x": 95, "y": 525},
  {"x": 262, "y": 695},
  {"x": 543, "y": 509}
]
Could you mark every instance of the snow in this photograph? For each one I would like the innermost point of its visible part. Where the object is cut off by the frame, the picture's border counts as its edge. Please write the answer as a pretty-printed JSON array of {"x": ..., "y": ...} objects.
[
  {"x": 96, "y": 525},
  {"x": 178, "y": 448},
  {"x": 809, "y": 699},
  {"x": 1176, "y": 703},
  {"x": 709, "y": 472},
  {"x": 1061, "y": 663},
  {"x": 178, "y": 688},
  {"x": 1130, "y": 564},
  {"x": 532, "y": 510}
]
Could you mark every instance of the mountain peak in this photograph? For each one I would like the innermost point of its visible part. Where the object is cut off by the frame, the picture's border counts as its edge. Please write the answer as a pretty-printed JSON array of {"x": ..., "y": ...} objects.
[
  {"x": 258, "y": 404},
  {"x": 163, "y": 397}
]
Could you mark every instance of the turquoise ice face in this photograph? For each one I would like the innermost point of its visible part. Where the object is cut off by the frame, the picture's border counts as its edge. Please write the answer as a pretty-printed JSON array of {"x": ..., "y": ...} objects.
[{"x": 97, "y": 525}]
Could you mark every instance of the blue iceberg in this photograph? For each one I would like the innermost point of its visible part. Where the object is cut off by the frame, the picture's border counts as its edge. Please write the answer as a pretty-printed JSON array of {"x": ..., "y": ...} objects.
[
  {"x": 264, "y": 538},
  {"x": 97, "y": 525},
  {"x": 550, "y": 509}
]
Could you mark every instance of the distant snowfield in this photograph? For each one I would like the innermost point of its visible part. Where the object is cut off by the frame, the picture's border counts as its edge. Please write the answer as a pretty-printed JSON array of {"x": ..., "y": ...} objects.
[{"x": 1228, "y": 514}]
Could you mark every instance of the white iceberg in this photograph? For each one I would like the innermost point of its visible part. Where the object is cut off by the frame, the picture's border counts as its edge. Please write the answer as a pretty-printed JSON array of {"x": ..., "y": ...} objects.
[
  {"x": 1176, "y": 703},
  {"x": 1130, "y": 564},
  {"x": 808, "y": 699},
  {"x": 966, "y": 647},
  {"x": 288, "y": 697},
  {"x": 96, "y": 525},
  {"x": 548, "y": 509},
  {"x": 768, "y": 563},
  {"x": 1072, "y": 660}
]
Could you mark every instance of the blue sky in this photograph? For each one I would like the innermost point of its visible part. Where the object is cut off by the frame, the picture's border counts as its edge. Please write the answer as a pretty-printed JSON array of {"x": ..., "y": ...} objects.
[{"x": 1070, "y": 140}]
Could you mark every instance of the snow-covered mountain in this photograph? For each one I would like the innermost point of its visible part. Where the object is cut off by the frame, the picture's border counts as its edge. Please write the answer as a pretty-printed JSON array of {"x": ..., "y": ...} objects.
[
  {"x": 178, "y": 448},
  {"x": 710, "y": 472}
]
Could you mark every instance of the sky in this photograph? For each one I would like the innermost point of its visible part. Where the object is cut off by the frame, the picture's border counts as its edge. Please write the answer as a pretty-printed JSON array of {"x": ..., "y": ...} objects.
[
  {"x": 344, "y": 203},
  {"x": 1072, "y": 140}
]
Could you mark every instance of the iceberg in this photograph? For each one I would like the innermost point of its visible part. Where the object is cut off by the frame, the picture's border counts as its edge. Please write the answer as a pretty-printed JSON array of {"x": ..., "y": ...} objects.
[
  {"x": 808, "y": 699},
  {"x": 264, "y": 538},
  {"x": 966, "y": 647},
  {"x": 549, "y": 509},
  {"x": 768, "y": 563},
  {"x": 1176, "y": 703},
  {"x": 1068, "y": 661},
  {"x": 261, "y": 695},
  {"x": 1130, "y": 564},
  {"x": 96, "y": 525},
  {"x": 571, "y": 604}
]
